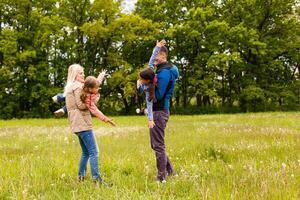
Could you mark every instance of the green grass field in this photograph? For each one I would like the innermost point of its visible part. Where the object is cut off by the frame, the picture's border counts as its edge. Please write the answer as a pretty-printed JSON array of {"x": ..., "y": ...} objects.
[{"x": 241, "y": 156}]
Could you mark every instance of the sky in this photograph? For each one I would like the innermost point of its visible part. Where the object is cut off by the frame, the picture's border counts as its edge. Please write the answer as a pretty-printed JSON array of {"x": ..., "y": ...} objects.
[{"x": 128, "y": 5}]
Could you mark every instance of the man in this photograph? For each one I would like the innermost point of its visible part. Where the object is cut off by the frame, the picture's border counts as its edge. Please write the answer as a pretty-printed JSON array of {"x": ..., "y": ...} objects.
[{"x": 166, "y": 81}]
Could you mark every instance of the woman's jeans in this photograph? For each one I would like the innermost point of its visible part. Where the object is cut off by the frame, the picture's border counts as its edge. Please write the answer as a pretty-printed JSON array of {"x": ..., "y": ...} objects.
[{"x": 89, "y": 151}]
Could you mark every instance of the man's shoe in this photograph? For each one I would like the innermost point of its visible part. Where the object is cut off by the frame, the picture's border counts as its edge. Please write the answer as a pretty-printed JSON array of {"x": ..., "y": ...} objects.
[
  {"x": 172, "y": 174},
  {"x": 161, "y": 180},
  {"x": 59, "y": 113}
]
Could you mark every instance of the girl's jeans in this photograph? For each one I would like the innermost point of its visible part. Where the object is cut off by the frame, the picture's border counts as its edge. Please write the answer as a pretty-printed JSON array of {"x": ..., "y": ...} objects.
[
  {"x": 89, "y": 151},
  {"x": 62, "y": 98}
]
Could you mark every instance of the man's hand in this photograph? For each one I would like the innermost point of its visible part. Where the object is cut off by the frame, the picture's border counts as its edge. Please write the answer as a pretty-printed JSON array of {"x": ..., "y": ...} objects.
[{"x": 151, "y": 124}]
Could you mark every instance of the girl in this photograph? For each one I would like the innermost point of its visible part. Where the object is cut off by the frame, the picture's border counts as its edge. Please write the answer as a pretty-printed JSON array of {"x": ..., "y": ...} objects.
[
  {"x": 90, "y": 95},
  {"x": 146, "y": 83}
]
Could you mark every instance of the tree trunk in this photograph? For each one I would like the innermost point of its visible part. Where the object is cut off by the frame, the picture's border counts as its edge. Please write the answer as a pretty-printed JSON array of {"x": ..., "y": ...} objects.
[
  {"x": 206, "y": 100},
  {"x": 184, "y": 87},
  {"x": 126, "y": 105},
  {"x": 223, "y": 89},
  {"x": 199, "y": 100},
  {"x": 177, "y": 99}
]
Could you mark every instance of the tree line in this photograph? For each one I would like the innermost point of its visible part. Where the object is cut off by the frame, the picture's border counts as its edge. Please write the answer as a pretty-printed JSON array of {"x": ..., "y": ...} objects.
[{"x": 233, "y": 55}]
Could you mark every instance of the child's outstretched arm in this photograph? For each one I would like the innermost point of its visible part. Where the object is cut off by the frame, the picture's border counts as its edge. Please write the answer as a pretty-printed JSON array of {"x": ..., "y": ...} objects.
[
  {"x": 155, "y": 52},
  {"x": 90, "y": 103}
]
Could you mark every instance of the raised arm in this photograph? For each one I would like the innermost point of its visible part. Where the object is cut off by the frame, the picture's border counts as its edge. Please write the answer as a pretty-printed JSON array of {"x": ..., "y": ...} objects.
[
  {"x": 153, "y": 57},
  {"x": 101, "y": 76},
  {"x": 155, "y": 52}
]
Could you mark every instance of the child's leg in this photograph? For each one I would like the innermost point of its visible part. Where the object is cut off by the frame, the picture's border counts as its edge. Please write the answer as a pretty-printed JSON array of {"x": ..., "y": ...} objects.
[
  {"x": 59, "y": 113},
  {"x": 59, "y": 98},
  {"x": 65, "y": 109}
]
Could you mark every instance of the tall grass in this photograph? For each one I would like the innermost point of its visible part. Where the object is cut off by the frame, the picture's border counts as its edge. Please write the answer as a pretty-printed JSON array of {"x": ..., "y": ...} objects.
[{"x": 241, "y": 156}]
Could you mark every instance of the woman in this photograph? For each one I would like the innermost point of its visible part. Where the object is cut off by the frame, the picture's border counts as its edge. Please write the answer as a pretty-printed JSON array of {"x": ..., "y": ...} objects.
[{"x": 80, "y": 121}]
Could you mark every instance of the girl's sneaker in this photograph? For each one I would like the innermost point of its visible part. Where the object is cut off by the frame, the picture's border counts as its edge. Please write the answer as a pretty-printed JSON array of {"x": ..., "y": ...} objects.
[
  {"x": 59, "y": 113},
  {"x": 54, "y": 99}
]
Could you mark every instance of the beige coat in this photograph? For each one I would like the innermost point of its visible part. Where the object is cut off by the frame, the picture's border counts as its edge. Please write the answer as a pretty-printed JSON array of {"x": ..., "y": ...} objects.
[{"x": 79, "y": 116}]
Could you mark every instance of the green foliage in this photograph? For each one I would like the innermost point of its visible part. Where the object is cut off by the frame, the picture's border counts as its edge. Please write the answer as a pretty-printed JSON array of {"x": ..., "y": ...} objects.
[
  {"x": 253, "y": 99},
  {"x": 288, "y": 100},
  {"x": 222, "y": 49}
]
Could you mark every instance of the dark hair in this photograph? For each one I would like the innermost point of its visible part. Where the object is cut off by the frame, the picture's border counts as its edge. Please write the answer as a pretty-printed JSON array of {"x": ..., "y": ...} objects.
[
  {"x": 89, "y": 83},
  {"x": 148, "y": 74}
]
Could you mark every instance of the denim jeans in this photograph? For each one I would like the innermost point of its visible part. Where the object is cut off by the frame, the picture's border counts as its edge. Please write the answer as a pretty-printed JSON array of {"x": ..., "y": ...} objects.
[
  {"x": 90, "y": 151},
  {"x": 62, "y": 98}
]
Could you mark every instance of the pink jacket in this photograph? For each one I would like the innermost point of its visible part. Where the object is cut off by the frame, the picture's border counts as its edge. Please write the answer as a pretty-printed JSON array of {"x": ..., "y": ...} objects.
[{"x": 90, "y": 102}]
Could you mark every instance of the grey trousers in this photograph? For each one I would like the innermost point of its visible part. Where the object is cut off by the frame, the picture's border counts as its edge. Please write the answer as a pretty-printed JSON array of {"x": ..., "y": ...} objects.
[{"x": 157, "y": 138}]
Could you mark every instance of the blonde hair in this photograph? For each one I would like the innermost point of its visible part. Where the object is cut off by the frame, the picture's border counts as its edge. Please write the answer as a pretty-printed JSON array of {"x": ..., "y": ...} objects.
[
  {"x": 89, "y": 83},
  {"x": 73, "y": 71}
]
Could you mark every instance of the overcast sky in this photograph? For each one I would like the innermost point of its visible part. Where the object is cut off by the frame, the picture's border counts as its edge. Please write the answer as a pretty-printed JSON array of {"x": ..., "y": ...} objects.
[{"x": 128, "y": 5}]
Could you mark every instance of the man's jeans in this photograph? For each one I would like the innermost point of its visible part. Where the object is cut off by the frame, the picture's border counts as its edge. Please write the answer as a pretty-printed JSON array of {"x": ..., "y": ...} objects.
[
  {"x": 89, "y": 151},
  {"x": 157, "y": 138}
]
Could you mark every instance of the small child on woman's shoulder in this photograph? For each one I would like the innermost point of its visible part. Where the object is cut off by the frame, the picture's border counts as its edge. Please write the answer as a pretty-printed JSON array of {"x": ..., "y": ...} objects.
[{"x": 60, "y": 97}]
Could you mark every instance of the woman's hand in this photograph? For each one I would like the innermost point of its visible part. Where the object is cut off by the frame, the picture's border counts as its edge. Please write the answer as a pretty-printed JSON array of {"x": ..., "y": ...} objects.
[{"x": 151, "y": 124}]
